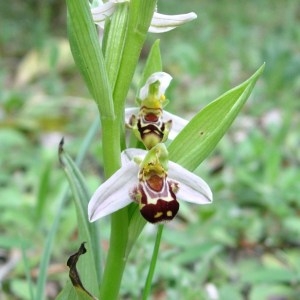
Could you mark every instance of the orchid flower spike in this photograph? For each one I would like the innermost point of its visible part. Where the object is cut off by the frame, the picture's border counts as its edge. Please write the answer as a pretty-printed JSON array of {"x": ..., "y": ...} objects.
[
  {"x": 152, "y": 181},
  {"x": 148, "y": 126},
  {"x": 160, "y": 22}
]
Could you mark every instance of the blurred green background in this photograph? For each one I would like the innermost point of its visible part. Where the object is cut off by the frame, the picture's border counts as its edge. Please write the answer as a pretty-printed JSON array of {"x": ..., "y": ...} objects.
[{"x": 243, "y": 246}]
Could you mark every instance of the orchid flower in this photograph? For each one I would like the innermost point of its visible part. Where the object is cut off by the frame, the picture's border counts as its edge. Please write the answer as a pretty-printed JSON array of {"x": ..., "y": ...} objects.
[
  {"x": 152, "y": 181},
  {"x": 149, "y": 126},
  {"x": 160, "y": 22}
]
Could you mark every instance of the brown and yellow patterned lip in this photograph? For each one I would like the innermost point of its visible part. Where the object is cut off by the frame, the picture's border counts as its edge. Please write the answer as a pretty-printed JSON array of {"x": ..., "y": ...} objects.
[
  {"x": 162, "y": 211},
  {"x": 156, "y": 198}
]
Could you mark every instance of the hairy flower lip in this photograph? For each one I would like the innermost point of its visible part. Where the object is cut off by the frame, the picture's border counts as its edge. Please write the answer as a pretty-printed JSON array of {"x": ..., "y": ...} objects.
[
  {"x": 160, "y": 22},
  {"x": 114, "y": 193},
  {"x": 177, "y": 123}
]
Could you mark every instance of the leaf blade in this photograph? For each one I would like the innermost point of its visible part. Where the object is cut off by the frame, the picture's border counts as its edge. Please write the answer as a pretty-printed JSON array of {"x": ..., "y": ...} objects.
[
  {"x": 207, "y": 127},
  {"x": 87, "y": 231},
  {"x": 88, "y": 56}
]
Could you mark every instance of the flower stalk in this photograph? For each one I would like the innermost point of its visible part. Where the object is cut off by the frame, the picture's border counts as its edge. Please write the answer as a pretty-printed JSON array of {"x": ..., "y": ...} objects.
[{"x": 148, "y": 283}]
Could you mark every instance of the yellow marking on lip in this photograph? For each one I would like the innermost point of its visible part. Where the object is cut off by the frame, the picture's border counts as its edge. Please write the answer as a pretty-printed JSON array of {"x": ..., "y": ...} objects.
[
  {"x": 169, "y": 213},
  {"x": 158, "y": 214}
]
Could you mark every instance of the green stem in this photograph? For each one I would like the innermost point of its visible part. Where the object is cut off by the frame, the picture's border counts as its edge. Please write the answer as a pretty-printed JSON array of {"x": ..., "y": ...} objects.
[
  {"x": 115, "y": 262},
  {"x": 111, "y": 145},
  {"x": 112, "y": 138},
  {"x": 149, "y": 279}
]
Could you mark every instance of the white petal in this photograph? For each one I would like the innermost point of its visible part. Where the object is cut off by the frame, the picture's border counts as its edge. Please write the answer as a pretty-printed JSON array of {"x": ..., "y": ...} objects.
[
  {"x": 177, "y": 124},
  {"x": 130, "y": 153},
  {"x": 192, "y": 188},
  {"x": 96, "y": 3},
  {"x": 129, "y": 112},
  {"x": 102, "y": 12},
  {"x": 163, "y": 23},
  {"x": 162, "y": 77},
  {"x": 113, "y": 194}
]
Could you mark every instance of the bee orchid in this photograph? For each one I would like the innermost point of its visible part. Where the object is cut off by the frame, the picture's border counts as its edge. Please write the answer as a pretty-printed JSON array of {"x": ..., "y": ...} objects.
[
  {"x": 153, "y": 182},
  {"x": 147, "y": 121},
  {"x": 160, "y": 22}
]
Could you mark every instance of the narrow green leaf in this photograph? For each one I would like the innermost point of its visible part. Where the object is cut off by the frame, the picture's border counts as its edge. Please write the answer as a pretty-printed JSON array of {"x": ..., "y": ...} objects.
[
  {"x": 27, "y": 269},
  {"x": 71, "y": 293},
  {"x": 206, "y": 129},
  {"x": 115, "y": 40},
  {"x": 43, "y": 267},
  {"x": 67, "y": 293},
  {"x": 43, "y": 189},
  {"x": 87, "y": 231},
  {"x": 85, "y": 47}
]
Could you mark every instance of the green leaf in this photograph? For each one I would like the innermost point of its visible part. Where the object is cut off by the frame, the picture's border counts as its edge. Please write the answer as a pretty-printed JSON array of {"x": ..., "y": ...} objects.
[
  {"x": 27, "y": 269},
  {"x": 85, "y": 47},
  {"x": 67, "y": 293},
  {"x": 72, "y": 293},
  {"x": 269, "y": 275},
  {"x": 45, "y": 259},
  {"x": 206, "y": 129},
  {"x": 43, "y": 190},
  {"x": 273, "y": 291},
  {"x": 230, "y": 291},
  {"x": 114, "y": 41},
  {"x": 89, "y": 266}
]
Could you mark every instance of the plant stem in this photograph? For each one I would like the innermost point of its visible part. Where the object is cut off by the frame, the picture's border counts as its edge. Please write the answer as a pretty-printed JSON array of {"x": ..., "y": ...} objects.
[
  {"x": 149, "y": 279},
  {"x": 116, "y": 260},
  {"x": 111, "y": 146}
]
